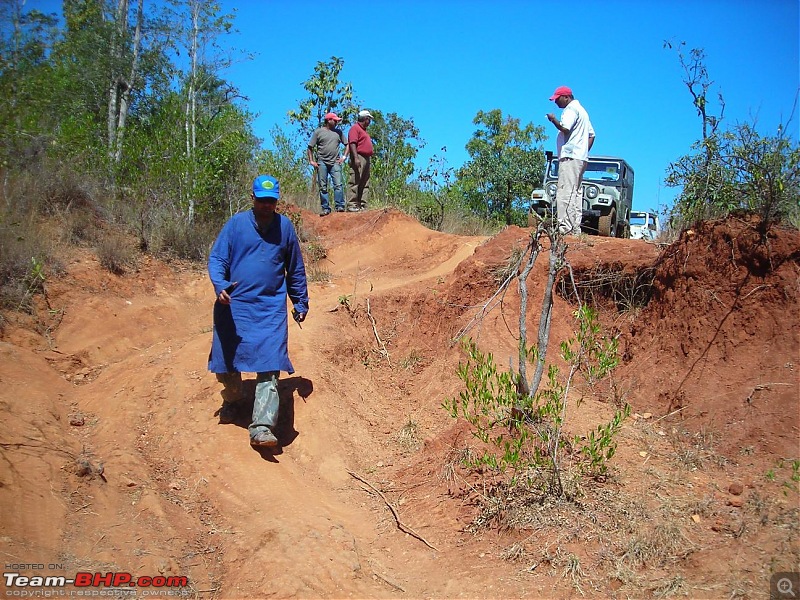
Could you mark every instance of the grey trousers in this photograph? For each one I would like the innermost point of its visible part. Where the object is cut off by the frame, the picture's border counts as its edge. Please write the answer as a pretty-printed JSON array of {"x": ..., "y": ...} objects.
[
  {"x": 569, "y": 198},
  {"x": 267, "y": 401}
]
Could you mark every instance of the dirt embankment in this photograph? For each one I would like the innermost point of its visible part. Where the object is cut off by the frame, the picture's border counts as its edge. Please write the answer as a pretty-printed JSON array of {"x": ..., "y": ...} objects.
[{"x": 113, "y": 458}]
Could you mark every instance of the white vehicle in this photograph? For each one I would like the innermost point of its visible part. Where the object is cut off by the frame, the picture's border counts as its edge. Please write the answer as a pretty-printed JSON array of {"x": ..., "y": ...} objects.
[{"x": 644, "y": 225}]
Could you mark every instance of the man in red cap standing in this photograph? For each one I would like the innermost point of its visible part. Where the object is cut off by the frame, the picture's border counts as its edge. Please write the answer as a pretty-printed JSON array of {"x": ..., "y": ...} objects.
[
  {"x": 325, "y": 143},
  {"x": 575, "y": 139}
]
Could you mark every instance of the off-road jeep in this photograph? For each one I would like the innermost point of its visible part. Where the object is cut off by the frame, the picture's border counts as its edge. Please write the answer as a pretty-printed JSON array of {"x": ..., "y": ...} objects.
[{"x": 607, "y": 195}]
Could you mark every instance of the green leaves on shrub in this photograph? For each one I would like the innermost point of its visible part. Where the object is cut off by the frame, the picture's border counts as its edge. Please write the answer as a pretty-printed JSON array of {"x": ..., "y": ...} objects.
[{"x": 523, "y": 433}]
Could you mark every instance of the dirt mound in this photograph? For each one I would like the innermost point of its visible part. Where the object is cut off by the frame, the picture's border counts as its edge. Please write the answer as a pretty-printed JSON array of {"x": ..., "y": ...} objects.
[
  {"x": 718, "y": 345},
  {"x": 113, "y": 458}
]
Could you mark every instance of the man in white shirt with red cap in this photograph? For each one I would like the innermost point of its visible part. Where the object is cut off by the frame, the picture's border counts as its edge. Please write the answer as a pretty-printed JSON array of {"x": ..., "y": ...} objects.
[{"x": 575, "y": 139}]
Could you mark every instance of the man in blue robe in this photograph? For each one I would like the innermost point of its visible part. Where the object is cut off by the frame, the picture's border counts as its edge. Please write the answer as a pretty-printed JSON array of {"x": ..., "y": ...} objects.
[{"x": 253, "y": 264}]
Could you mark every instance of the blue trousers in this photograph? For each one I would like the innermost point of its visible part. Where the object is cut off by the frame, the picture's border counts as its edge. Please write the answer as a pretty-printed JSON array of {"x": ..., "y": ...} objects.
[{"x": 335, "y": 172}]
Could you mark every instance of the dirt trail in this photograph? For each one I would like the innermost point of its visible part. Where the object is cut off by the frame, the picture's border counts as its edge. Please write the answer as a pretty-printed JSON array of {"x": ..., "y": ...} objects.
[{"x": 122, "y": 383}]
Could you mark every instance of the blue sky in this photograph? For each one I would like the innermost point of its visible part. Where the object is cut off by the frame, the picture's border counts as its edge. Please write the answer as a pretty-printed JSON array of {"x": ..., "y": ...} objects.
[{"x": 441, "y": 61}]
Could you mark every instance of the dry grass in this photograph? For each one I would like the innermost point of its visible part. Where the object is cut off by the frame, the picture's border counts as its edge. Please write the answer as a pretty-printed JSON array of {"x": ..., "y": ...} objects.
[
  {"x": 25, "y": 254},
  {"x": 671, "y": 587},
  {"x": 516, "y": 552},
  {"x": 696, "y": 450},
  {"x": 459, "y": 224},
  {"x": 314, "y": 253},
  {"x": 573, "y": 571},
  {"x": 629, "y": 292},
  {"x": 510, "y": 268},
  {"x": 117, "y": 254},
  {"x": 657, "y": 544},
  {"x": 408, "y": 437}
]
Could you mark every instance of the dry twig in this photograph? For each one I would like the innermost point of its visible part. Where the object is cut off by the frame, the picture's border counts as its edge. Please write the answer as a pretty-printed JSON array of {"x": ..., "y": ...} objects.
[
  {"x": 400, "y": 525},
  {"x": 382, "y": 345}
]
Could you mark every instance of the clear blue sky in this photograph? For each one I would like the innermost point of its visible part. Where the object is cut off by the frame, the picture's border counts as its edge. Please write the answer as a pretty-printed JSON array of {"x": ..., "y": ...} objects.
[{"x": 441, "y": 61}]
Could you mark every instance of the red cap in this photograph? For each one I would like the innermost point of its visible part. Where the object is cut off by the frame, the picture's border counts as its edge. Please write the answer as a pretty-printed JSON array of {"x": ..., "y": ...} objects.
[
  {"x": 561, "y": 90},
  {"x": 333, "y": 116}
]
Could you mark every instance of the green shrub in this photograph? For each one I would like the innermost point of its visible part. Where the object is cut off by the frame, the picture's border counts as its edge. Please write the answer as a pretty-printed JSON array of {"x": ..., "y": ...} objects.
[{"x": 523, "y": 434}]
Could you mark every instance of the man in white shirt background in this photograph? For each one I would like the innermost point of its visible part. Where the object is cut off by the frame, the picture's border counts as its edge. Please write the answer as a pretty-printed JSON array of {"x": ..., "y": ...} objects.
[{"x": 575, "y": 139}]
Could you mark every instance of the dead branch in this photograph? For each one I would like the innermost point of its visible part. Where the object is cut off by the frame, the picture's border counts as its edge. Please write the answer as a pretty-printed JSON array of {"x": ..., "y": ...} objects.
[
  {"x": 488, "y": 306},
  {"x": 381, "y": 345},
  {"x": 400, "y": 525},
  {"x": 396, "y": 586}
]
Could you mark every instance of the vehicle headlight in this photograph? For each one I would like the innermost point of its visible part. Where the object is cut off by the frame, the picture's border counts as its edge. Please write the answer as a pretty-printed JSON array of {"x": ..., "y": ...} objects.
[
  {"x": 591, "y": 192},
  {"x": 552, "y": 188}
]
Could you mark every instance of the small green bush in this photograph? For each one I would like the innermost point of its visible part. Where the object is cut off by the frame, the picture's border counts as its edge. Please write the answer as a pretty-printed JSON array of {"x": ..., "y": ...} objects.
[{"x": 523, "y": 434}]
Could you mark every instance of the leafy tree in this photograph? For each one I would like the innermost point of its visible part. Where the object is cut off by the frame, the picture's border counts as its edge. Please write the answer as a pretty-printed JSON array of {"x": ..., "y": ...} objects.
[
  {"x": 732, "y": 169},
  {"x": 765, "y": 171},
  {"x": 326, "y": 94},
  {"x": 505, "y": 164},
  {"x": 26, "y": 40},
  {"x": 396, "y": 141},
  {"x": 132, "y": 103},
  {"x": 53, "y": 83},
  {"x": 125, "y": 73},
  {"x": 83, "y": 67},
  {"x": 284, "y": 162},
  {"x": 198, "y": 25},
  {"x": 436, "y": 182},
  {"x": 701, "y": 174}
]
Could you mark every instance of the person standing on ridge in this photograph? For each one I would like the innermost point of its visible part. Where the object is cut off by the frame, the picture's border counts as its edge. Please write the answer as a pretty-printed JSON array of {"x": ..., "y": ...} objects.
[
  {"x": 325, "y": 143},
  {"x": 254, "y": 263},
  {"x": 360, "y": 158},
  {"x": 575, "y": 139}
]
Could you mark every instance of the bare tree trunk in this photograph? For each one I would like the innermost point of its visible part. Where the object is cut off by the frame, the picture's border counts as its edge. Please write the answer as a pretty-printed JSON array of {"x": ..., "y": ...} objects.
[
  {"x": 117, "y": 38},
  {"x": 124, "y": 101},
  {"x": 557, "y": 249},
  {"x": 16, "y": 18},
  {"x": 532, "y": 251},
  {"x": 508, "y": 202},
  {"x": 191, "y": 106}
]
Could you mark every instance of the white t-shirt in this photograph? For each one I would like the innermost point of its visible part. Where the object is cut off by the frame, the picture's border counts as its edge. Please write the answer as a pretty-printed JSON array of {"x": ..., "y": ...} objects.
[{"x": 576, "y": 144}]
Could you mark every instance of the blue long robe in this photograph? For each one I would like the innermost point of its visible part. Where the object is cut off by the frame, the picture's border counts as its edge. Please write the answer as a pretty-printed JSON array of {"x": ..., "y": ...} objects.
[{"x": 251, "y": 334}]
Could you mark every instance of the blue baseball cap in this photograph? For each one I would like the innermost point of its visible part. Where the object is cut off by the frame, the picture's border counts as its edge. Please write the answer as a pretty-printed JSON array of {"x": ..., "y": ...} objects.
[{"x": 266, "y": 186}]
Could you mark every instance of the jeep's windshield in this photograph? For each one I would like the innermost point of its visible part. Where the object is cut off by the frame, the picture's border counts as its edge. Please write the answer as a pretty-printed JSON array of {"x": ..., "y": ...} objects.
[
  {"x": 601, "y": 171},
  {"x": 596, "y": 170},
  {"x": 638, "y": 218}
]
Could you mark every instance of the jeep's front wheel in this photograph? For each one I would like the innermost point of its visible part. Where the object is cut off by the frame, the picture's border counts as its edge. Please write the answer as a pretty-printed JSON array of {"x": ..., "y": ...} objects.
[{"x": 607, "y": 223}]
